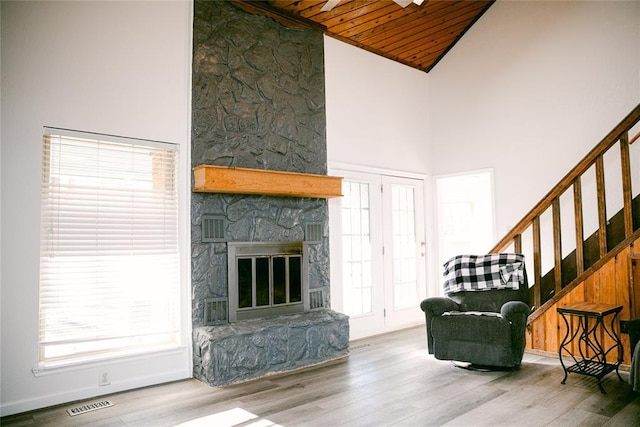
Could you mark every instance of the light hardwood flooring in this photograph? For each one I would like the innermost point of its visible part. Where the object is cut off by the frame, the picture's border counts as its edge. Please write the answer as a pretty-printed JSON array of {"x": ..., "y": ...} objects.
[{"x": 388, "y": 380}]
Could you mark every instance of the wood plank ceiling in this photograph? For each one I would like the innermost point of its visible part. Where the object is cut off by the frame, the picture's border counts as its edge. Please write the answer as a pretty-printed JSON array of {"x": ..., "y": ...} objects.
[{"x": 417, "y": 35}]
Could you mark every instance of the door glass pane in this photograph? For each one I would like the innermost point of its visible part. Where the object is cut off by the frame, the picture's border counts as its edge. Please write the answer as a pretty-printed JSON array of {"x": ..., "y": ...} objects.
[
  {"x": 465, "y": 214},
  {"x": 356, "y": 246},
  {"x": 405, "y": 248}
]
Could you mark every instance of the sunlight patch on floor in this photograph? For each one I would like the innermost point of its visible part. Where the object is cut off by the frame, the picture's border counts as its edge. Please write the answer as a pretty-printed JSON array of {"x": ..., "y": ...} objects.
[{"x": 230, "y": 418}]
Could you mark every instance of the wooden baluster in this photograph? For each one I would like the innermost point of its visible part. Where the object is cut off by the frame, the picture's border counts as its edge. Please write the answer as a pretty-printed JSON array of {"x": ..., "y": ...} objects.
[
  {"x": 602, "y": 207},
  {"x": 537, "y": 262},
  {"x": 577, "y": 212},
  {"x": 557, "y": 245},
  {"x": 625, "y": 164},
  {"x": 517, "y": 246},
  {"x": 517, "y": 243}
]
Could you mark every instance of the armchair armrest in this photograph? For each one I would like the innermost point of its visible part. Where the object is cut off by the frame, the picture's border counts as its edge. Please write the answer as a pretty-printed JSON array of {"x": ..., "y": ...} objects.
[
  {"x": 434, "y": 307},
  {"x": 516, "y": 313},
  {"x": 632, "y": 327},
  {"x": 511, "y": 310}
]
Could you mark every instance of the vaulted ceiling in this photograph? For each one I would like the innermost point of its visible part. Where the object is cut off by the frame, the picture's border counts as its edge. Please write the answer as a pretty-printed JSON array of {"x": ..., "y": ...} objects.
[{"x": 417, "y": 35}]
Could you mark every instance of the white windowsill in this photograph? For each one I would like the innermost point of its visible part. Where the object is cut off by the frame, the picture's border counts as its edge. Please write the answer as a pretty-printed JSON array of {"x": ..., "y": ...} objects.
[{"x": 98, "y": 361}]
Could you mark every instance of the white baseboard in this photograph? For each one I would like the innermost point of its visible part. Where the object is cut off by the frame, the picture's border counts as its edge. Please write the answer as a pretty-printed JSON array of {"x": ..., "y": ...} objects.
[{"x": 69, "y": 396}]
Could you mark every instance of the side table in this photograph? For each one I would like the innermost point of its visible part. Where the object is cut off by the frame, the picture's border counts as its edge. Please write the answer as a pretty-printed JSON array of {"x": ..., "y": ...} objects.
[{"x": 591, "y": 357}]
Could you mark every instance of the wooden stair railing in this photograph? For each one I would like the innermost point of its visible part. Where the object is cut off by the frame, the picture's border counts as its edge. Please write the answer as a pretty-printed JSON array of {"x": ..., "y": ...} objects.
[{"x": 584, "y": 259}]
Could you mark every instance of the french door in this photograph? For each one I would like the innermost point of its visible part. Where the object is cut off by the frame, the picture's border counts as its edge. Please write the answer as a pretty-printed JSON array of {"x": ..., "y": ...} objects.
[{"x": 378, "y": 252}]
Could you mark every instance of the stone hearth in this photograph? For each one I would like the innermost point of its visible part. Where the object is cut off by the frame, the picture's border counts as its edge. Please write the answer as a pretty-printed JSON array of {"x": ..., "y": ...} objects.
[{"x": 254, "y": 348}]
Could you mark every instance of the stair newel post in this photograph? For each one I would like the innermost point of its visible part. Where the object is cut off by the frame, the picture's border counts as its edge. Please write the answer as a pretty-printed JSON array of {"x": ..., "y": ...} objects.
[
  {"x": 537, "y": 262},
  {"x": 577, "y": 211},
  {"x": 627, "y": 195},
  {"x": 557, "y": 245},
  {"x": 602, "y": 206}
]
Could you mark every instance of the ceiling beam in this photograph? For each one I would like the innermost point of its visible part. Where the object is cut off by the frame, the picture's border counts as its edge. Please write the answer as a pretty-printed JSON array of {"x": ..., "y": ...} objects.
[{"x": 264, "y": 8}]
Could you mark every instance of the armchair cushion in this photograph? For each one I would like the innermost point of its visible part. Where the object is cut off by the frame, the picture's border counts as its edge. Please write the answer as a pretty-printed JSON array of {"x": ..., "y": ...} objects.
[
  {"x": 492, "y": 300},
  {"x": 468, "y": 327}
]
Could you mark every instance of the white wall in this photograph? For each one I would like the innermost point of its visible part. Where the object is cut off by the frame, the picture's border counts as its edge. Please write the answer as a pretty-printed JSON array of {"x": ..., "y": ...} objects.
[
  {"x": 119, "y": 68},
  {"x": 529, "y": 90},
  {"x": 376, "y": 110},
  {"x": 377, "y": 121}
]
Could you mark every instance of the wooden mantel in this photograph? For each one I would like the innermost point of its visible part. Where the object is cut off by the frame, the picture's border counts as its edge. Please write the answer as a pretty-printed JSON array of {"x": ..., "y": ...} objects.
[{"x": 222, "y": 179}]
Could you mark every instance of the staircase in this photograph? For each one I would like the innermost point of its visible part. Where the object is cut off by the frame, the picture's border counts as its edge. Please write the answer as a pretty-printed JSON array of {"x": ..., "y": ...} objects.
[{"x": 574, "y": 255}]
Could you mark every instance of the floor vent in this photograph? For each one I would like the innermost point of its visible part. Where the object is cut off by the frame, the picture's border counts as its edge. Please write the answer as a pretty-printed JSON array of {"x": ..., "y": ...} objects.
[
  {"x": 359, "y": 347},
  {"x": 83, "y": 409}
]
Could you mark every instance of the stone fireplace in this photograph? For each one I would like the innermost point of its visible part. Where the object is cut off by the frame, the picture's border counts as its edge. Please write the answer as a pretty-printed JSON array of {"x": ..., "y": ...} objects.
[{"x": 258, "y": 102}]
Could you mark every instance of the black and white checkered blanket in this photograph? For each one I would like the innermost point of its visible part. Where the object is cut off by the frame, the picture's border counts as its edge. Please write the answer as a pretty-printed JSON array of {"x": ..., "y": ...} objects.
[{"x": 483, "y": 272}]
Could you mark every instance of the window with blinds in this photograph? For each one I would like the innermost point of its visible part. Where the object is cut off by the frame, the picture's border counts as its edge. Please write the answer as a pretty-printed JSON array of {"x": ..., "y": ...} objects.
[{"x": 109, "y": 263}]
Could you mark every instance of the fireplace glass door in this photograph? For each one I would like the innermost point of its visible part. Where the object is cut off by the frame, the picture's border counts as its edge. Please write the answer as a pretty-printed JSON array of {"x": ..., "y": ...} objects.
[{"x": 266, "y": 279}]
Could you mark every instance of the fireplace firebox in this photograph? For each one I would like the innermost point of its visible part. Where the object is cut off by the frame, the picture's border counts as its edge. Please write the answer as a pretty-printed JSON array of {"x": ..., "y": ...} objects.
[{"x": 267, "y": 279}]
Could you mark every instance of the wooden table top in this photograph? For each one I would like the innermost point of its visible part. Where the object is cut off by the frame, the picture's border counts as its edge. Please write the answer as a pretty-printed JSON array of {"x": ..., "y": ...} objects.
[{"x": 589, "y": 308}]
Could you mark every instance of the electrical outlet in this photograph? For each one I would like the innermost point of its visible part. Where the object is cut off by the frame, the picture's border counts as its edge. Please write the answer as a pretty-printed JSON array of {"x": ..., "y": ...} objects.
[{"x": 105, "y": 378}]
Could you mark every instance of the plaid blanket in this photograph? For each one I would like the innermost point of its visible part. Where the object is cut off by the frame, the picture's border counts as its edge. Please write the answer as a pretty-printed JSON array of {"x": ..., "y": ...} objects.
[{"x": 483, "y": 272}]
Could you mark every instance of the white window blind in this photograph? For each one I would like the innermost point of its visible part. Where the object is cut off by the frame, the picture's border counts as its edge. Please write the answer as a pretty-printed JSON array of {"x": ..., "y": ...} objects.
[{"x": 109, "y": 264}]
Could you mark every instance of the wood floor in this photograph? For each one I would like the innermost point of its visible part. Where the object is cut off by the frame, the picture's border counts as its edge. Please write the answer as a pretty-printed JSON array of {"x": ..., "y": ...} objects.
[{"x": 388, "y": 380}]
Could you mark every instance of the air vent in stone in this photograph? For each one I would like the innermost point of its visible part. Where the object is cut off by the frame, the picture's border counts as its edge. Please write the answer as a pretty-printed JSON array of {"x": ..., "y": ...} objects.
[
  {"x": 77, "y": 410},
  {"x": 316, "y": 299},
  {"x": 215, "y": 311},
  {"x": 212, "y": 228},
  {"x": 313, "y": 233}
]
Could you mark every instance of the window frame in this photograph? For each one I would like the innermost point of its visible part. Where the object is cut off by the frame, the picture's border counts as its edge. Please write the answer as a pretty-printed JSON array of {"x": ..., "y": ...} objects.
[{"x": 176, "y": 305}]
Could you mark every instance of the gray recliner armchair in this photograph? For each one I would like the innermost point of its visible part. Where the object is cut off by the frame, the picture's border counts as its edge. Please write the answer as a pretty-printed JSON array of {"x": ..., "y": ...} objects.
[
  {"x": 633, "y": 329},
  {"x": 483, "y": 317}
]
